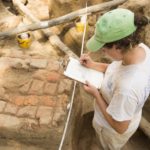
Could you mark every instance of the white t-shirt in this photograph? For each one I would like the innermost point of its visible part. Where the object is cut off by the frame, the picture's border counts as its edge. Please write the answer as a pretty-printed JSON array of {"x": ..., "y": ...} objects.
[{"x": 125, "y": 89}]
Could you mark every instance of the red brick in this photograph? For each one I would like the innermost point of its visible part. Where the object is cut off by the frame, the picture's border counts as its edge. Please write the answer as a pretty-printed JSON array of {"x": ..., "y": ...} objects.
[
  {"x": 50, "y": 88},
  {"x": 47, "y": 101},
  {"x": 17, "y": 100},
  {"x": 9, "y": 122},
  {"x": 47, "y": 75},
  {"x": 53, "y": 66},
  {"x": 37, "y": 87},
  {"x": 25, "y": 88},
  {"x": 45, "y": 115},
  {"x": 31, "y": 100},
  {"x": 11, "y": 108},
  {"x": 53, "y": 77},
  {"x": 40, "y": 74},
  {"x": 27, "y": 111},
  {"x": 58, "y": 117},
  {"x": 65, "y": 86},
  {"x": 62, "y": 101}
]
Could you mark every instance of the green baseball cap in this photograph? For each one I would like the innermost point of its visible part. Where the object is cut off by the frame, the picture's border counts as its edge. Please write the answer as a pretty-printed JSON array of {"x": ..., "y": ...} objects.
[{"x": 112, "y": 26}]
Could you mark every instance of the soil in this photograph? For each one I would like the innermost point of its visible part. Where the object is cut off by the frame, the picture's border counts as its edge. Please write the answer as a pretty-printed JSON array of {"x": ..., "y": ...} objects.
[{"x": 88, "y": 141}]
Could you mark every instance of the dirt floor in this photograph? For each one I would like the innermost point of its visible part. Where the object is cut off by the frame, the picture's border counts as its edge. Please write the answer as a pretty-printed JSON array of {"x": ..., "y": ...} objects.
[{"x": 88, "y": 141}]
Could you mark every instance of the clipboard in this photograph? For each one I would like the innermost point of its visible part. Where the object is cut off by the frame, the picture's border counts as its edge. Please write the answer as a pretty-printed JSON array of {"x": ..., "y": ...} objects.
[{"x": 78, "y": 72}]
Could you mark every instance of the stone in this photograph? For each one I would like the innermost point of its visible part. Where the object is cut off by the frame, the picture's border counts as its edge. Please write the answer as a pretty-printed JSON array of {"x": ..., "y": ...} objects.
[
  {"x": 53, "y": 77},
  {"x": 47, "y": 100},
  {"x": 47, "y": 76},
  {"x": 37, "y": 87},
  {"x": 27, "y": 125},
  {"x": 15, "y": 78},
  {"x": 40, "y": 74},
  {"x": 31, "y": 100},
  {"x": 27, "y": 111},
  {"x": 25, "y": 88},
  {"x": 45, "y": 114},
  {"x": 65, "y": 86},
  {"x": 53, "y": 65},
  {"x": 17, "y": 53},
  {"x": 17, "y": 63},
  {"x": 17, "y": 100},
  {"x": 62, "y": 101},
  {"x": 38, "y": 63},
  {"x": 2, "y": 105},
  {"x": 9, "y": 122},
  {"x": 59, "y": 116},
  {"x": 11, "y": 108},
  {"x": 50, "y": 88}
]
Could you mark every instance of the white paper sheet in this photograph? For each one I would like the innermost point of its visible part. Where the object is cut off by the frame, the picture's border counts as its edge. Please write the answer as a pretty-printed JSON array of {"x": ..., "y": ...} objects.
[{"x": 80, "y": 73}]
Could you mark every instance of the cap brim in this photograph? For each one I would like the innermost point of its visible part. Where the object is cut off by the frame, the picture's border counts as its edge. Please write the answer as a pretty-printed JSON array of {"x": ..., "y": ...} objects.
[{"x": 94, "y": 45}]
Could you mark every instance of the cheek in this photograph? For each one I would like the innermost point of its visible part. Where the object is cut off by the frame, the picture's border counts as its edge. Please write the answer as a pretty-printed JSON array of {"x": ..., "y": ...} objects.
[
  {"x": 110, "y": 53},
  {"x": 113, "y": 55}
]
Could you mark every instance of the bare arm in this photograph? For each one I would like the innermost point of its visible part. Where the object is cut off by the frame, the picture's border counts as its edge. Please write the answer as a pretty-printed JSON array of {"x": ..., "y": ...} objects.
[
  {"x": 99, "y": 66},
  {"x": 119, "y": 126},
  {"x": 86, "y": 61}
]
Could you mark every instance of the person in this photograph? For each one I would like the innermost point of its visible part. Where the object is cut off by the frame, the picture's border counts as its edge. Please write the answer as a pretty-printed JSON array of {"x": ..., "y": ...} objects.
[{"x": 126, "y": 84}]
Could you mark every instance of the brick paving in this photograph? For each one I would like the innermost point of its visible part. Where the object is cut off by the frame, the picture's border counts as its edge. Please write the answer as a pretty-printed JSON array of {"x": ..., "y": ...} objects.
[{"x": 33, "y": 95}]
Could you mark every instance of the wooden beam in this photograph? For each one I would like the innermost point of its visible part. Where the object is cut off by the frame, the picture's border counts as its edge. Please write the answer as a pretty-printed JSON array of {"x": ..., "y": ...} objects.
[{"x": 60, "y": 20}]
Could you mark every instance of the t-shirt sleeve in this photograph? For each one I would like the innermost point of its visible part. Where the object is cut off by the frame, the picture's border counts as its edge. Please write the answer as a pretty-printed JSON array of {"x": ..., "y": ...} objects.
[{"x": 122, "y": 106}]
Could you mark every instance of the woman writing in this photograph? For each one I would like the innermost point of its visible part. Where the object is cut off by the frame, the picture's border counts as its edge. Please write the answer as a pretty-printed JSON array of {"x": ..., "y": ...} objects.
[{"x": 126, "y": 85}]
